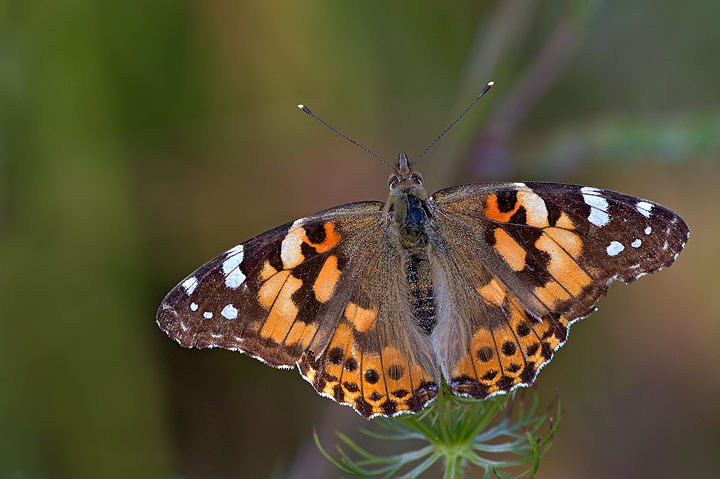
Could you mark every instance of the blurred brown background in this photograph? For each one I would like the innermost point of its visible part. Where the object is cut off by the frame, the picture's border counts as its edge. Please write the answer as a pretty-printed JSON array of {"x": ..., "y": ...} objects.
[{"x": 139, "y": 139}]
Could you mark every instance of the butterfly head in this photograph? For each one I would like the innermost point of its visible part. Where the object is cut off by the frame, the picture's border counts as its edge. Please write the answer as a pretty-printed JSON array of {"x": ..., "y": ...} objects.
[{"x": 404, "y": 177}]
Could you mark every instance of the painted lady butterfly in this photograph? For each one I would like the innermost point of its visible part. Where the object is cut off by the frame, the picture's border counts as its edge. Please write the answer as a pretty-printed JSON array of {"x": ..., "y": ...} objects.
[{"x": 375, "y": 301}]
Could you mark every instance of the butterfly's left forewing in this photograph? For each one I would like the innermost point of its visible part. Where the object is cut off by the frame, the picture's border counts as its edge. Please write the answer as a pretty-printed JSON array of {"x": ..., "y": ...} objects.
[
  {"x": 269, "y": 296},
  {"x": 529, "y": 259}
]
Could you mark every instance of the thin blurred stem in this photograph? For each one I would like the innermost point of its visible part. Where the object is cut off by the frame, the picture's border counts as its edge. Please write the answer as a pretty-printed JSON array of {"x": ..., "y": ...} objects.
[{"x": 489, "y": 158}]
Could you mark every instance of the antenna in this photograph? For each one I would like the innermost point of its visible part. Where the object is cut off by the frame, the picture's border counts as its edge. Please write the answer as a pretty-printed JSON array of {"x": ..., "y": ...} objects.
[
  {"x": 307, "y": 110},
  {"x": 453, "y": 123}
]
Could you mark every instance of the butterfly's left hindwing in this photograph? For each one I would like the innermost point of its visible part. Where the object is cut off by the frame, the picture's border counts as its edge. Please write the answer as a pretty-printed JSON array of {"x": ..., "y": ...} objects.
[{"x": 377, "y": 361}]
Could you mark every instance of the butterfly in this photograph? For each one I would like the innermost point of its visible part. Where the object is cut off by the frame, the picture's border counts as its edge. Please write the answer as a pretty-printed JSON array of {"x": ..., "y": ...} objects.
[{"x": 376, "y": 303}]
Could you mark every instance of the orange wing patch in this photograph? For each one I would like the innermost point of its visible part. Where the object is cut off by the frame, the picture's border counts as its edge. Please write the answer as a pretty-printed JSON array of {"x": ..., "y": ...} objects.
[
  {"x": 362, "y": 319},
  {"x": 536, "y": 213},
  {"x": 301, "y": 333},
  {"x": 401, "y": 378},
  {"x": 509, "y": 249},
  {"x": 565, "y": 222},
  {"x": 332, "y": 238},
  {"x": 327, "y": 279},
  {"x": 569, "y": 278},
  {"x": 267, "y": 271},
  {"x": 291, "y": 248},
  {"x": 275, "y": 294},
  {"x": 483, "y": 359},
  {"x": 493, "y": 293},
  {"x": 492, "y": 210}
]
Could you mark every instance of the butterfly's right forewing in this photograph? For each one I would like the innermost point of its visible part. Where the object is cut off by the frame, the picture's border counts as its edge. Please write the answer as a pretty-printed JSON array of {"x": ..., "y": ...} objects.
[{"x": 526, "y": 260}]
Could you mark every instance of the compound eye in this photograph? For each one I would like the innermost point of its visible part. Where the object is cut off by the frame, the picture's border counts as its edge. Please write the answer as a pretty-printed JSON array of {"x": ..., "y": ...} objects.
[
  {"x": 393, "y": 180},
  {"x": 418, "y": 178}
]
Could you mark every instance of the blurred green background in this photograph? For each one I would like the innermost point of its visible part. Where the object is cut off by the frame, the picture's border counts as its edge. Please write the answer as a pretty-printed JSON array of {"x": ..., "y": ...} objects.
[{"x": 139, "y": 139}]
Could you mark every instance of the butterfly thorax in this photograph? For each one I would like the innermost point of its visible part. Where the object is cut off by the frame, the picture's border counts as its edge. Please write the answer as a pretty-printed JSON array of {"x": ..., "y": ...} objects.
[
  {"x": 408, "y": 214},
  {"x": 406, "y": 208}
]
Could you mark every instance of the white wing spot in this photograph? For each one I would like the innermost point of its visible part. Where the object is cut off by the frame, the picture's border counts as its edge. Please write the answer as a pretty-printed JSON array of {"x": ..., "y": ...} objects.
[
  {"x": 194, "y": 306},
  {"x": 290, "y": 249},
  {"x": 589, "y": 190},
  {"x": 598, "y": 206},
  {"x": 520, "y": 185},
  {"x": 234, "y": 279},
  {"x": 190, "y": 284},
  {"x": 636, "y": 243},
  {"x": 598, "y": 218},
  {"x": 231, "y": 267},
  {"x": 207, "y": 315},
  {"x": 648, "y": 230},
  {"x": 644, "y": 208},
  {"x": 614, "y": 248},
  {"x": 229, "y": 311}
]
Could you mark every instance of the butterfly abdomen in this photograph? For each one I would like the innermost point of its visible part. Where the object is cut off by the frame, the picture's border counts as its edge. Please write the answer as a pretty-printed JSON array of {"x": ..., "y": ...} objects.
[
  {"x": 420, "y": 291},
  {"x": 409, "y": 221}
]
